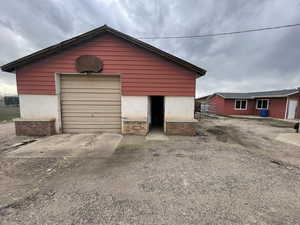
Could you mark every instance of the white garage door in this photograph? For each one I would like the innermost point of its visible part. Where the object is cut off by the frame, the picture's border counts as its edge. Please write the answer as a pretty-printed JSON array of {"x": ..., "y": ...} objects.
[{"x": 90, "y": 103}]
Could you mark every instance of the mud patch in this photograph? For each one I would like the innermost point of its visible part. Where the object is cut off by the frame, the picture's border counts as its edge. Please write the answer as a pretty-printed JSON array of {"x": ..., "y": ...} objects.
[
  {"x": 217, "y": 130},
  {"x": 230, "y": 134},
  {"x": 125, "y": 154},
  {"x": 226, "y": 134},
  {"x": 125, "y": 150}
]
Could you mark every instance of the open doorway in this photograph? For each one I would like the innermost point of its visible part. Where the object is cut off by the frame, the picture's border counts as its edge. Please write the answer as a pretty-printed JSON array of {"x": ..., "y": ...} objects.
[{"x": 157, "y": 112}]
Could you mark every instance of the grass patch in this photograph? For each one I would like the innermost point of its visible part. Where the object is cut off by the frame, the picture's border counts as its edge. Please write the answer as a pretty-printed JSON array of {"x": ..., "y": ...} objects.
[{"x": 8, "y": 113}]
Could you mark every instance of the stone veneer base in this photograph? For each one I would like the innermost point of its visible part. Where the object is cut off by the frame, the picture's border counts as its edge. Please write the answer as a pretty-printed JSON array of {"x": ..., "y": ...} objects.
[
  {"x": 135, "y": 127},
  {"x": 34, "y": 127},
  {"x": 184, "y": 128}
]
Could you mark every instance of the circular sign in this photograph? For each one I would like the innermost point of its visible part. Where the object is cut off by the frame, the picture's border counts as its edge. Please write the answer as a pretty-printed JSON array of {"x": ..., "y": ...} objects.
[{"x": 89, "y": 64}]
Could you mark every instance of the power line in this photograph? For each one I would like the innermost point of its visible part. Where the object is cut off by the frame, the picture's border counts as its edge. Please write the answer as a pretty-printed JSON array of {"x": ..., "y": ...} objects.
[{"x": 225, "y": 33}]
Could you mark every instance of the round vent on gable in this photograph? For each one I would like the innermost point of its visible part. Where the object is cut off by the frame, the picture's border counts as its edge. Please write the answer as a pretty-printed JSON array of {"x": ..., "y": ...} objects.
[{"x": 89, "y": 64}]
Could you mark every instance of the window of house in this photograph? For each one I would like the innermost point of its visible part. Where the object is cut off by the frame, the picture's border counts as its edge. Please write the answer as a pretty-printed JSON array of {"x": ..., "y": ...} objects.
[
  {"x": 240, "y": 104},
  {"x": 262, "y": 103}
]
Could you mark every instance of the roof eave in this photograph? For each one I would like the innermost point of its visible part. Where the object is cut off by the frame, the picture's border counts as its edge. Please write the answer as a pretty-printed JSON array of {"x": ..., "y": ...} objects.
[
  {"x": 218, "y": 94},
  {"x": 9, "y": 67}
]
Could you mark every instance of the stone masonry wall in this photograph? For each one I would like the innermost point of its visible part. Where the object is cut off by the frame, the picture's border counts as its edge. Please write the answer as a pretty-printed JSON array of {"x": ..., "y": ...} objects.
[
  {"x": 135, "y": 127},
  {"x": 181, "y": 128},
  {"x": 34, "y": 128}
]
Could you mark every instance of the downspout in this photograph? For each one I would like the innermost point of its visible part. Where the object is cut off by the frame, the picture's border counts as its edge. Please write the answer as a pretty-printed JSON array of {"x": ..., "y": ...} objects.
[
  {"x": 298, "y": 107},
  {"x": 286, "y": 107}
]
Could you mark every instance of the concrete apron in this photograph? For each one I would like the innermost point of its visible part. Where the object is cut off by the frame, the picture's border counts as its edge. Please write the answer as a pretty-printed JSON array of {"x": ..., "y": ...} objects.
[
  {"x": 70, "y": 145},
  {"x": 290, "y": 138},
  {"x": 156, "y": 135}
]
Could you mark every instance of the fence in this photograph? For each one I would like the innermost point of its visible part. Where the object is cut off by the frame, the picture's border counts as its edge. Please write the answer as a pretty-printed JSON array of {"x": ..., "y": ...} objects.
[
  {"x": 11, "y": 100},
  {"x": 207, "y": 107}
]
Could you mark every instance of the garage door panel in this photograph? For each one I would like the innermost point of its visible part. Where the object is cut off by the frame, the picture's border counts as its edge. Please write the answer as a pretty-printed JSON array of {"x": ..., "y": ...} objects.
[
  {"x": 76, "y": 119},
  {"x": 95, "y": 109},
  {"x": 90, "y": 90},
  {"x": 81, "y": 78},
  {"x": 90, "y": 104},
  {"x": 86, "y": 103},
  {"x": 91, "y": 130},
  {"x": 92, "y": 126},
  {"x": 91, "y": 84},
  {"x": 78, "y": 112},
  {"x": 91, "y": 96}
]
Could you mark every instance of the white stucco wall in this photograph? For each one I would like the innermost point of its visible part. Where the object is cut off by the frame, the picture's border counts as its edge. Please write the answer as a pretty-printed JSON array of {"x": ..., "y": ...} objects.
[
  {"x": 134, "y": 107},
  {"x": 179, "y": 108},
  {"x": 38, "y": 107}
]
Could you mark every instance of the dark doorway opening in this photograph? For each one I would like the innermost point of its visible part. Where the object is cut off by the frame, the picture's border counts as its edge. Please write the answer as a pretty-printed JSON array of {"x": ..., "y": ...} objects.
[{"x": 157, "y": 112}]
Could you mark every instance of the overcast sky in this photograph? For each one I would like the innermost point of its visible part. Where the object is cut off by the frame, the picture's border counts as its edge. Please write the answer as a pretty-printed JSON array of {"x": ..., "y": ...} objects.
[{"x": 245, "y": 62}]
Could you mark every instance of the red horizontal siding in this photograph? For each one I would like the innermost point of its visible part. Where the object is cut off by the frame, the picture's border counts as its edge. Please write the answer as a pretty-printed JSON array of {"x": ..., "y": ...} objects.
[
  {"x": 277, "y": 107},
  {"x": 159, "y": 85},
  {"x": 38, "y": 92},
  {"x": 229, "y": 108},
  {"x": 142, "y": 72},
  {"x": 216, "y": 105},
  {"x": 223, "y": 106}
]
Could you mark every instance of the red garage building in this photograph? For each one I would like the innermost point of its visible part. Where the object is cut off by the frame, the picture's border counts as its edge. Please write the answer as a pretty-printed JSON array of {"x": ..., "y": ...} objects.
[
  {"x": 281, "y": 104},
  {"x": 104, "y": 81}
]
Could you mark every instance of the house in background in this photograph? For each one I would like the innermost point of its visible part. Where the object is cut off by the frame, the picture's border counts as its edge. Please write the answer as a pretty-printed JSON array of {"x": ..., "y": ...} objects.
[
  {"x": 104, "y": 81},
  {"x": 283, "y": 104},
  {"x": 201, "y": 104}
]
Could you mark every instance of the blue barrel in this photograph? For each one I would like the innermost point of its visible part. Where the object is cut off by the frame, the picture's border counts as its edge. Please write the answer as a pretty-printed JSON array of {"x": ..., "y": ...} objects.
[{"x": 264, "y": 113}]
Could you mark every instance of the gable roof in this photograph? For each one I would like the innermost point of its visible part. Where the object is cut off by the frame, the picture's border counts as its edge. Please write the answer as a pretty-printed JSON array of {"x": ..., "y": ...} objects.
[
  {"x": 262, "y": 94},
  {"x": 206, "y": 97},
  {"x": 90, "y": 35}
]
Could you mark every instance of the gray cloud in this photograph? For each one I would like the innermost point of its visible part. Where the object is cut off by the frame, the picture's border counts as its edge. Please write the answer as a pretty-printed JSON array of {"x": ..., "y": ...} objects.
[{"x": 244, "y": 62}]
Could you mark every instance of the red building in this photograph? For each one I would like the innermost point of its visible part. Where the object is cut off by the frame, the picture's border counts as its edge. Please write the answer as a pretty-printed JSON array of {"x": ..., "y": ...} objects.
[
  {"x": 283, "y": 104},
  {"x": 104, "y": 81}
]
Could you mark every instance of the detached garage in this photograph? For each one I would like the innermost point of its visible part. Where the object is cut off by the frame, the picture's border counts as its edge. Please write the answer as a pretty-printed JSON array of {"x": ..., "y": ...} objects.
[{"x": 104, "y": 81}]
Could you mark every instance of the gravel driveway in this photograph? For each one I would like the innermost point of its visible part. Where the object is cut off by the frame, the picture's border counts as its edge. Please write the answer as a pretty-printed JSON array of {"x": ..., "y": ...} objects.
[{"x": 235, "y": 173}]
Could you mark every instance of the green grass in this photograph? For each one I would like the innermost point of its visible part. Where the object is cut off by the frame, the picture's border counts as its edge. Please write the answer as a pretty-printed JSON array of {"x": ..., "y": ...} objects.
[{"x": 9, "y": 112}]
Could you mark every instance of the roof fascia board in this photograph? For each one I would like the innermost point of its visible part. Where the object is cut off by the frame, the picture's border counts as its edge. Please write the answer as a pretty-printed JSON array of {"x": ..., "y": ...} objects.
[
  {"x": 218, "y": 94},
  {"x": 276, "y": 96}
]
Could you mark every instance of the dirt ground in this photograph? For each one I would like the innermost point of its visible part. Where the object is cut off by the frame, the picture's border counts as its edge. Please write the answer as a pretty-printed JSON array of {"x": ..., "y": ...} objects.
[
  {"x": 7, "y": 113},
  {"x": 7, "y": 135},
  {"x": 234, "y": 172}
]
